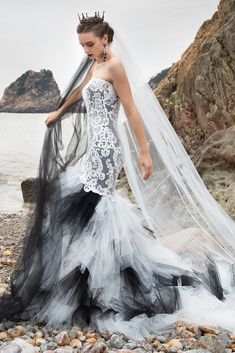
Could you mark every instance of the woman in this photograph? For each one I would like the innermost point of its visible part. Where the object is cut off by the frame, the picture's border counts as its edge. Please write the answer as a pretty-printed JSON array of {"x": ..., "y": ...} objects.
[
  {"x": 88, "y": 259},
  {"x": 110, "y": 69}
]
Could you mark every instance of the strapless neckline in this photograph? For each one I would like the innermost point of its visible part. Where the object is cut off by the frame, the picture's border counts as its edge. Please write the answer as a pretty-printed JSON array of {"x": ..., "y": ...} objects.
[{"x": 102, "y": 79}]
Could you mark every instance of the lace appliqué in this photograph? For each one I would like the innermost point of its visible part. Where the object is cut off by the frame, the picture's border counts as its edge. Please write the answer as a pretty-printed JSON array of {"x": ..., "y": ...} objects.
[{"x": 105, "y": 155}]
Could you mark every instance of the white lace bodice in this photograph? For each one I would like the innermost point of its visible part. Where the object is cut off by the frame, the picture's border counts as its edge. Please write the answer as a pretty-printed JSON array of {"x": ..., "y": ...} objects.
[{"x": 105, "y": 155}]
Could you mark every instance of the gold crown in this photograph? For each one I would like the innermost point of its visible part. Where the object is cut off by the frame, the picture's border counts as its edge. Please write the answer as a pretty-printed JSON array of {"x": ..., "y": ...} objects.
[{"x": 97, "y": 16}]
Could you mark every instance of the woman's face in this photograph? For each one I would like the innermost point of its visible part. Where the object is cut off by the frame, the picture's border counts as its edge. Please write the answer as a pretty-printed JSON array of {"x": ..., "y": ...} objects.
[{"x": 92, "y": 45}]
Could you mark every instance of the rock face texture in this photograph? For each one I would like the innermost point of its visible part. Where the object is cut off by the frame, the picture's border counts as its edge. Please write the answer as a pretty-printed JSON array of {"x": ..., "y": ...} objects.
[
  {"x": 29, "y": 189},
  {"x": 198, "y": 93},
  {"x": 215, "y": 162},
  {"x": 32, "y": 92},
  {"x": 198, "y": 96}
]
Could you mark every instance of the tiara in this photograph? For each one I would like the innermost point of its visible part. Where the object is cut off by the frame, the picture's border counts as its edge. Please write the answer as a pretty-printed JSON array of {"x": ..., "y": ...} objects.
[{"x": 97, "y": 16}]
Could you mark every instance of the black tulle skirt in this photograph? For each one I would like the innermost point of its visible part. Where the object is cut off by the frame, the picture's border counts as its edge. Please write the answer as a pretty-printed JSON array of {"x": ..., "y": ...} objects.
[{"x": 92, "y": 262}]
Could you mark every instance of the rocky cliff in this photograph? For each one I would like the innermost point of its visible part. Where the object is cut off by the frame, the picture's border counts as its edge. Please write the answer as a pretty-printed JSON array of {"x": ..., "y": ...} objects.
[
  {"x": 198, "y": 93},
  {"x": 198, "y": 96},
  {"x": 32, "y": 92},
  {"x": 215, "y": 162},
  {"x": 154, "y": 80}
]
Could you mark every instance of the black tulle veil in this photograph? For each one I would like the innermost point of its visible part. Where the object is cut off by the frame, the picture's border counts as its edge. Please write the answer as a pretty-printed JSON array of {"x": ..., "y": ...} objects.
[{"x": 58, "y": 152}]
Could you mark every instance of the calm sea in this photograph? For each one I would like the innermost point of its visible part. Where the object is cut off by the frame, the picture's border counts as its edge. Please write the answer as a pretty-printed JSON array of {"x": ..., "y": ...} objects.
[{"x": 21, "y": 138}]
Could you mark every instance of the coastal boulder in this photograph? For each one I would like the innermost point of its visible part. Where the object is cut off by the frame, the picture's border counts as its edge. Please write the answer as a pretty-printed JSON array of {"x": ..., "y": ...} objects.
[{"x": 32, "y": 92}]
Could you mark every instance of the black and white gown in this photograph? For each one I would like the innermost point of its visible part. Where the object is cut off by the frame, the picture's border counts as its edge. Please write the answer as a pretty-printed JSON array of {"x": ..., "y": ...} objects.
[{"x": 109, "y": 273}]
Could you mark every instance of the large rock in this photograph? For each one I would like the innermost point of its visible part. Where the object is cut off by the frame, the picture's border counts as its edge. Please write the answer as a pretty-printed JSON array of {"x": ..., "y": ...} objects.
[
  {"x": 32, "y": 92},
  {"x": 198, "y": 93},
  {"x": 215, "y": 162},
  {"x": 29, "y": 189}
]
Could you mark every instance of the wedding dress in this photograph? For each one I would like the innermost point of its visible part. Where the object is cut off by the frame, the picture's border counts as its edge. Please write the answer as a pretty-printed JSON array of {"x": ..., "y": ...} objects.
[{"x": 91, "y": 256}]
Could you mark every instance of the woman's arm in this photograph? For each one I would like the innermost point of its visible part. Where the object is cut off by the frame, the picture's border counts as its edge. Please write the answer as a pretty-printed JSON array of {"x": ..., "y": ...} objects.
[{"x": 122, "y": 87}]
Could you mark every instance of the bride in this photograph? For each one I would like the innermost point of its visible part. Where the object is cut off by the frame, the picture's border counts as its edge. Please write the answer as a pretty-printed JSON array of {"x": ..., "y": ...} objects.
[{"x": 91, "y": 256}]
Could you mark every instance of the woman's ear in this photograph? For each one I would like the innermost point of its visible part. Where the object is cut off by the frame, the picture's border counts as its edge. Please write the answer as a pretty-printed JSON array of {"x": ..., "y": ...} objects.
[{"x": 105, "y": 38}]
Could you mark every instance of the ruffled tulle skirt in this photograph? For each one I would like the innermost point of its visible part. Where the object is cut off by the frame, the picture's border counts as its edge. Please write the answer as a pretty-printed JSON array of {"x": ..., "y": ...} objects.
[{"x": 97, "y": 265}]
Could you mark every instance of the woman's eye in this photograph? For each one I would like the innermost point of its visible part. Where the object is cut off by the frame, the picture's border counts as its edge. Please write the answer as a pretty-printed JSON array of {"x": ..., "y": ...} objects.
[{"x": 89, "y": 45}]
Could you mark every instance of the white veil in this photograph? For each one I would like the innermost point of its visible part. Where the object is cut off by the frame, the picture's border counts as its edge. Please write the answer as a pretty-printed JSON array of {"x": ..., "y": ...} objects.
[{"x": 175, "y": 202}]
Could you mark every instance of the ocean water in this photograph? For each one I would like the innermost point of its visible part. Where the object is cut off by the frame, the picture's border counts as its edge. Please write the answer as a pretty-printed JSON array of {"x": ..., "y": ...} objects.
[{"x": 21, "y": 139}]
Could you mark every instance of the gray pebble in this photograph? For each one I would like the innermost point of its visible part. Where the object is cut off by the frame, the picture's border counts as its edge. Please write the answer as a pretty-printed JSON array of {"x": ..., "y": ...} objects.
[
  {"x": 214, "y": 344},
  {"x": 52, "y": 345},
  {"x": 130, "y": 345},
  {"x": 29, "y": 328},
  {"x": 207, "y": 340},
  {"x": 224, "y": 337},
  {"x": 30, "y": 334},
  {"x": 173, "y": 350},
  {"x": 44, "y": 347},
  {"x": 117, "y": 341},
  {"x": 72, "y": 334},
  {"x": 140, "y": 350},
  {"x": 161, "y": 339},
  {"x": 198, "y": 351}
]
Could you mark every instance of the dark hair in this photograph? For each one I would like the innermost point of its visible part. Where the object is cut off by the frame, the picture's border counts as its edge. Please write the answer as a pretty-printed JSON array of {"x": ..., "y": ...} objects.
[{"x": 96, "y": 25}]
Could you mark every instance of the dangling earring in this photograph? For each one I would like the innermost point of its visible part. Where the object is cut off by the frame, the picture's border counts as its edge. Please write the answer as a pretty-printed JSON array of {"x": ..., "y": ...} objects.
[{"x": 104, "y": 53}]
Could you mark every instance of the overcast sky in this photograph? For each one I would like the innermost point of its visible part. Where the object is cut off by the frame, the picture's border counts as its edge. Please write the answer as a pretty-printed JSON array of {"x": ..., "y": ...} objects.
[{"x": 42, "y": 34}]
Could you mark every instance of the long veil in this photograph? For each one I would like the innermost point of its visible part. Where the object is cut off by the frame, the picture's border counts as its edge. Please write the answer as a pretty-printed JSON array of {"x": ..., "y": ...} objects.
[
  {"x": 174, "y": 200},
  {"x": 176, "y": 205}
]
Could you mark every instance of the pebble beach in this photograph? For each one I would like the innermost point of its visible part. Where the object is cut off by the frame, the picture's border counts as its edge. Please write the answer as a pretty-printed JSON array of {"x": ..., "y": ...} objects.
[
  {"x": 182, "y": 337},
  {"x": 23, "y": 337}
]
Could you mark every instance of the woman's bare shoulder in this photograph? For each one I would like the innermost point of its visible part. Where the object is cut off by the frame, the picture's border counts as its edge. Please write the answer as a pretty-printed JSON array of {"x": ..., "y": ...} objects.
[
  {"x": 116, "y": 61},
  {"x": 116, "y": 65}
]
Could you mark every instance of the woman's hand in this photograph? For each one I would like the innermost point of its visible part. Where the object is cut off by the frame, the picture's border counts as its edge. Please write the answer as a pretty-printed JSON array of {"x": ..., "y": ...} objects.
[
  {"x": 146, "y": 165},
  {"x": 52, "y": 117}
]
